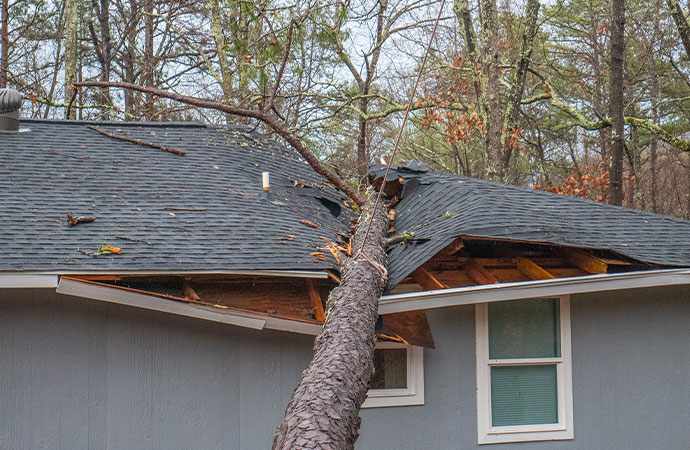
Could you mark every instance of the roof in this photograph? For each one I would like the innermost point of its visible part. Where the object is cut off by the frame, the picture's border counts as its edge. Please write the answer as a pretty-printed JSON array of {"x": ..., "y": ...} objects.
[
  {"x": 204, "y": 211},
  {"x": 439, "y": 207}
]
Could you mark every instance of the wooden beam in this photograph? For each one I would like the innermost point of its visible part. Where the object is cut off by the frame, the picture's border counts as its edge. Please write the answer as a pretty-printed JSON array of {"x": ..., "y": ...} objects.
[
  {"x": 478, "y": 273},
  {"x": 189, "y": 293},
  {"x": 585, "y": 261},
  {"x": 411, "y": 327},
  {"x": 532, "y": 270},
  {"x": 426, "y": 280},
  {"x": 452, "y": 248},
  {"x": 316, "y": 302}
]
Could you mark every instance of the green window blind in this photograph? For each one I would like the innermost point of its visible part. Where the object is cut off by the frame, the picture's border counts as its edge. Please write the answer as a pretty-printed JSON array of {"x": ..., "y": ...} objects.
[
  {"x": 524, "y": 329},
  {"x": 523, "y": 395}
]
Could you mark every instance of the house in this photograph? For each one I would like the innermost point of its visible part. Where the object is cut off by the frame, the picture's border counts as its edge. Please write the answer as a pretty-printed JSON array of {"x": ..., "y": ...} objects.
[{"x": 182, "y": 315}]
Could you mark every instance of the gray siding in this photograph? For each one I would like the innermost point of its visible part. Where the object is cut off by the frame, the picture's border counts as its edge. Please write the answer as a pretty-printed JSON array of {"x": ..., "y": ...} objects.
[
  {"x": 631, "y": 379},
  {"x": 78, "y": 374}
]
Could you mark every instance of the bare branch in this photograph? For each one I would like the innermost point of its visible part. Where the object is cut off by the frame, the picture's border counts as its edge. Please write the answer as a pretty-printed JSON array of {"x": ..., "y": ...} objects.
[{"x": 260, "y": 115}]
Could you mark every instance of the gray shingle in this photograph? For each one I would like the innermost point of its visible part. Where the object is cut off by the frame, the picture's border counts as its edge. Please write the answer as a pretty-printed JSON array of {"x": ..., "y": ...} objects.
[
  {"x": 203, "y": 211},
  {"x": 444, "y": 207}
]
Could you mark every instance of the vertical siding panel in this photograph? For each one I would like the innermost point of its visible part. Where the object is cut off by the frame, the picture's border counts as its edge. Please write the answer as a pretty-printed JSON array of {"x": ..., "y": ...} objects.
[
  {"x": 95, "y": 333},
  {"x": 180, "y": 406},
  {"x": 259, "y": 372},
  {"x": 144, "y": 348},
  {"x": 7, "y": 362},
  {"x": 119, "y": 381},
  {"x": 40, "y": 388},
  {"x": 72, "y": 375},
  {"x": 216, "y": 390}
]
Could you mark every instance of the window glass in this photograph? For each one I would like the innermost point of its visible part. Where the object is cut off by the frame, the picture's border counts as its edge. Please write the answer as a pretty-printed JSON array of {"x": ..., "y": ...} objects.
[
  {"x": 524, "y": 329},
  {"x": 523, "y": 395},
  {"x": 390, "y": 369}
]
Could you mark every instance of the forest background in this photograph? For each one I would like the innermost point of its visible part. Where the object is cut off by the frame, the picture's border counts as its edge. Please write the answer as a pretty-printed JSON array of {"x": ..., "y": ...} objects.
[{"x": 516, "y": 92}]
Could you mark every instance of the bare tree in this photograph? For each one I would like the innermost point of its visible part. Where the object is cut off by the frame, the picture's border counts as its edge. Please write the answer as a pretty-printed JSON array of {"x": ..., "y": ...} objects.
[
  {"x": 71, "y": 55},
  {"x": 4, "y": 42},
  {"x": 616, "y": 102}
]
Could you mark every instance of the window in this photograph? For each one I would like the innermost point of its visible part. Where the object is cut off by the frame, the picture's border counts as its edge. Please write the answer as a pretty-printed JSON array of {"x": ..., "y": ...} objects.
[
  {"x": 524, "y": 390},
  {"x": 398, "y": 378}
]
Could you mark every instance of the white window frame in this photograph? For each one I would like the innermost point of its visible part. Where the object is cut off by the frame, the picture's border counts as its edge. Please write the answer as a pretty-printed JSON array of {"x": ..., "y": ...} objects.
[
  {"x": 413, "y": 394},
  {"x": 488, "y": 434}
]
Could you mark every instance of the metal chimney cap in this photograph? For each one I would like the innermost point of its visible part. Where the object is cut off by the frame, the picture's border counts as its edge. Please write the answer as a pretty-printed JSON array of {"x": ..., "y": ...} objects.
[{"x": 10, "y": 100}]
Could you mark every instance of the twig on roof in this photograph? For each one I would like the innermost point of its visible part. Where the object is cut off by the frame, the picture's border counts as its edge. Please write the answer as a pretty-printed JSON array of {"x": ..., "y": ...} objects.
[
  {"x": 72, "y": 221},
  {"x": 134, "y": 240},
  {"x": 400, "y": 238},
  {"x": 138, "y": 142},
  {"x": 309, "y": 224},
  {"x": 183, "y": 209}
]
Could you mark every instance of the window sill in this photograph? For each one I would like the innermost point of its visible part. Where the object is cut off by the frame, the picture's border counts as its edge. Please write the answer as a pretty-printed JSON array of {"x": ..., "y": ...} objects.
[
  {"x": 413, "y": 394},
  {"x": 496, "y": 437}
]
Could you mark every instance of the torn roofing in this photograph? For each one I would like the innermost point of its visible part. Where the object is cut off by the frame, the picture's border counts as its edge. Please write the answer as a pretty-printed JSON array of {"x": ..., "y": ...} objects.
[
  {"x": 203, "y": 211},
  {"x": 439, "y": 207}
]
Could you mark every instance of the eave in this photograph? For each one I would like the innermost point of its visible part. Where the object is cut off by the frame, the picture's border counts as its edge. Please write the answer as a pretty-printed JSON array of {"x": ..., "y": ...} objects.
[{"x": 469, "y": 295}]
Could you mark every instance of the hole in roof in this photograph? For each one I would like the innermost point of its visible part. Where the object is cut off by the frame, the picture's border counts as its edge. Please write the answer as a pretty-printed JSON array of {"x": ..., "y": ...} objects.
[{"x": 333, "y": 207}]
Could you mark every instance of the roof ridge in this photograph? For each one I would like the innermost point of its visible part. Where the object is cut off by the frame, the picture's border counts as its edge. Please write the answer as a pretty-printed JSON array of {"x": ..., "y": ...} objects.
[{"x": 115, "y": 123}]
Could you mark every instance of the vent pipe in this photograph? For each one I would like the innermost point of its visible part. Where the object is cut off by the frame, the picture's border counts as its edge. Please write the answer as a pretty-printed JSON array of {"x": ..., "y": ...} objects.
[
  {"x": 10, "y": 103},
  {"x": 265, "y": 181}
]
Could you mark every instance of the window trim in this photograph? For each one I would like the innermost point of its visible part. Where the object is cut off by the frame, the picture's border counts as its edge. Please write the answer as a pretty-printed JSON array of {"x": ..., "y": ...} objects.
[
  {"x": 413, "y": 394},
  {"x": 488, "y": 434}
]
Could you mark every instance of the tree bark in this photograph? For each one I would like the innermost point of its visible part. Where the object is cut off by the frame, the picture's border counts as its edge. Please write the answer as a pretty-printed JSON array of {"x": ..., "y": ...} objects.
[
  {"x": 104, "y": 50},
  {"x": 221, "y": 48},
  {"x": 130, "y": 59},
  {"x": 681, "y": 23},
  {"x": 616, "y": 101},
  {"x": 4, "y": 43},
  {"x": 462, "y": 13},
  {"x": 149, "y": 64},
  {"x": 493, "y": 120},
  {"x": 517, "y": 86},
  {"x": 71, "y": 21},
  {"x": 324, "y": 410}
]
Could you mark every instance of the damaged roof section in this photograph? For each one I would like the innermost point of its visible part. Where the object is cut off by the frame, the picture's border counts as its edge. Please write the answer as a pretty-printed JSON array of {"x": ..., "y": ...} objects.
[
  {"x": 164, "y": 211},
  {"x": 435, "y": 209}
]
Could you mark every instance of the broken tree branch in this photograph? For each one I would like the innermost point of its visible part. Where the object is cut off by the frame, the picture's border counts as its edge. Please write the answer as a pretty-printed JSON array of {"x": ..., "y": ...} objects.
[
  {"x": 260, "y": 115},
  {"x": 138, "y": 142},
  {"x": 72, "y": 221}
]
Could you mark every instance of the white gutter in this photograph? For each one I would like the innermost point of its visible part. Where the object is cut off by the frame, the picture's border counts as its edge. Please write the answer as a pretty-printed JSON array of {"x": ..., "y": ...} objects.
[
  {"x": 530, "y": 289},
  {"x": 120, "y": 296},
  {"x": 27, "y": 280}
]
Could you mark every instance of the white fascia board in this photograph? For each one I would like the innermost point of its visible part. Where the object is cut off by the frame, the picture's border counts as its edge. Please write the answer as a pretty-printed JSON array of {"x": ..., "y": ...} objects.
[
  {"x": 123, "y": 297},
  {"x": 469, "y": 295},
  {"x": 27, "y": 280},
  {"x": 268, "y": 273},
  {"x": 293, "y": 326}
]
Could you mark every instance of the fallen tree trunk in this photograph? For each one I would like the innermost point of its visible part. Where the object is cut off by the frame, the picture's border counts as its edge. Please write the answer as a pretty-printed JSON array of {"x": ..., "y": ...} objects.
[{"x": 324, "y": 410}]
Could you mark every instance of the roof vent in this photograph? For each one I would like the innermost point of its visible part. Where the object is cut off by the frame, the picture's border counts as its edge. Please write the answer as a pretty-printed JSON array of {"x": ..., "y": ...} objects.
[{"x": 10, "y": 103}]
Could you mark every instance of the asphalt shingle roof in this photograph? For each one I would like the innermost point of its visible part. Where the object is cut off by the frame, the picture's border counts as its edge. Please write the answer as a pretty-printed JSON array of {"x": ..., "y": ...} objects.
[
  {"x": 204, "y": 211},
  {"x": 439, "y": 207}
]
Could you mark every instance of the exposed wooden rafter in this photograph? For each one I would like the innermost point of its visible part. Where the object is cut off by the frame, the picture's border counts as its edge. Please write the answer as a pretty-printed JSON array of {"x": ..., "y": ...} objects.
[
  {"x": 585, "y": 261},
  {"x": 426, "y": 280},
  {"x": 532, "y": 270},
  {"x": 478, "y": 273},
  {"x": 452, "y": 248},
  {"x": 316, "y": 302},
  {"x": 189, "y": 293}
]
